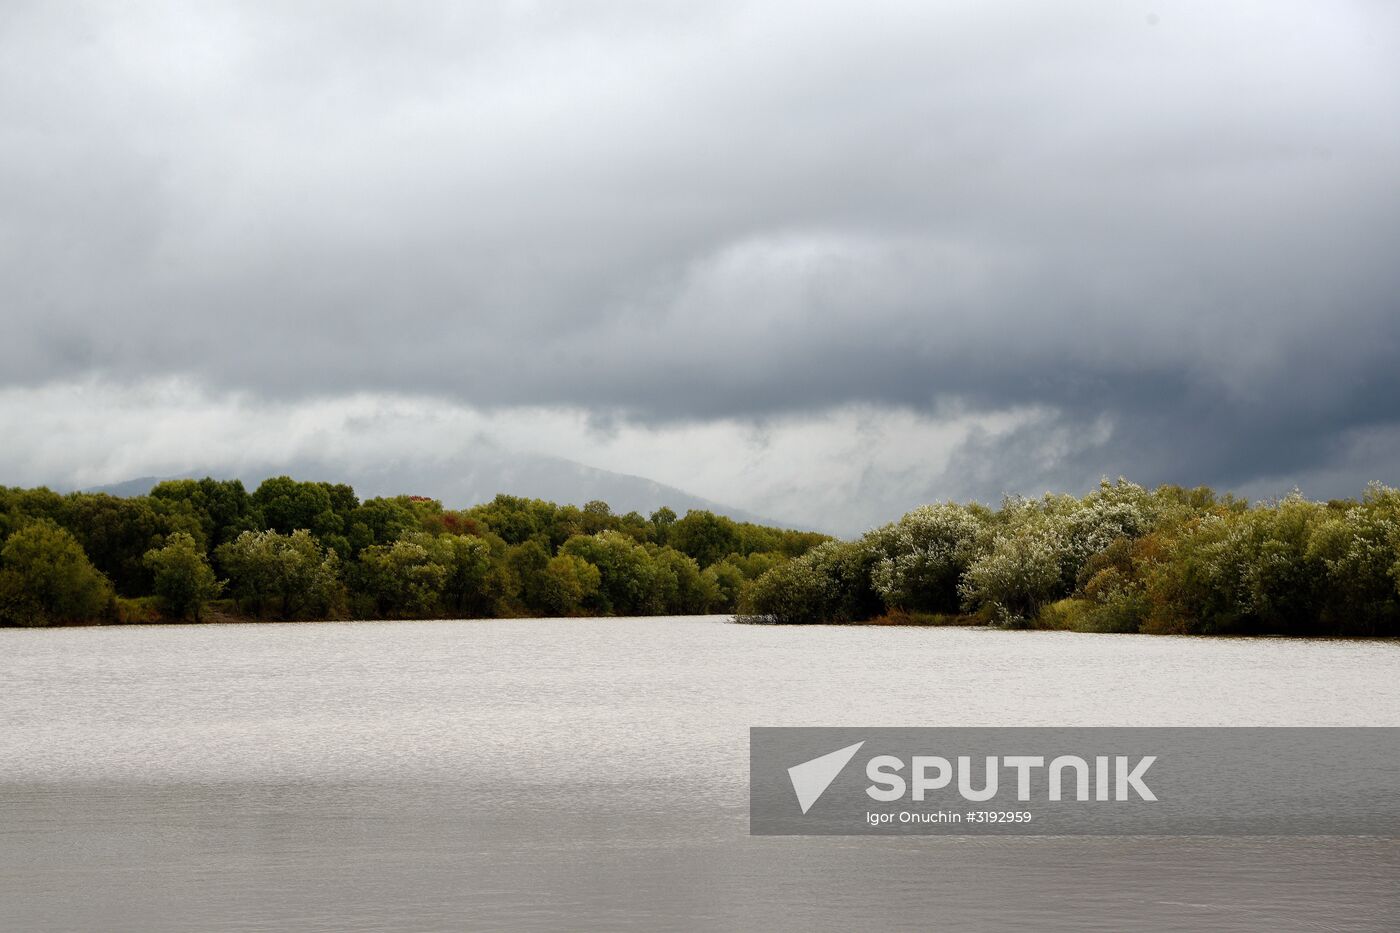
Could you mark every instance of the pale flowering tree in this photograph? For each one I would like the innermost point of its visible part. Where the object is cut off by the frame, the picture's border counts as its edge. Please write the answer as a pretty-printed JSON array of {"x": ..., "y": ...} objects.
[
  {"x": 1279, "y": 579},
  {"x": 404, "y": 577},
  {"x": 923, "y": 556},
  {"x": 1018, "y": 575},
  {"x": 1035, "y": 550},
  {"x": 1089, "y": 525},
  {"x": 291, "y": 571},
  {"x": 1360, "y": 549}
]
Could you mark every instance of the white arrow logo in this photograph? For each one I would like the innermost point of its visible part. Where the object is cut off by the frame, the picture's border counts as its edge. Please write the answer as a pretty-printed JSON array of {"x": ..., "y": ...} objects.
[{"x": 811, "y": 778}]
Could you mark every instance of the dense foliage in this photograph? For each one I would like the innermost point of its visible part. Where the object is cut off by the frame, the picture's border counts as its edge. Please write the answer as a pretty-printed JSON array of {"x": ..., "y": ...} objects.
[
  {"x": 46, "y": 578},
  {"x": 306, "y": 550},
  {"x": 1121, "y": 559}
]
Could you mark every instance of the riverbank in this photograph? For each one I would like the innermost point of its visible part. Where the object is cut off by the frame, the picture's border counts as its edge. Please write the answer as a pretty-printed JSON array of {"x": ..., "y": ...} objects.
[
  {"x": 145, "y": 613},
  {"x": 1121, "y": 559}
]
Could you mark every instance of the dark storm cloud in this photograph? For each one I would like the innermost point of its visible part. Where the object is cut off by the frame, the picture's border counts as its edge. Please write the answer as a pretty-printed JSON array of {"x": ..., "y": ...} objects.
[{"x": 1176, "y": 221}]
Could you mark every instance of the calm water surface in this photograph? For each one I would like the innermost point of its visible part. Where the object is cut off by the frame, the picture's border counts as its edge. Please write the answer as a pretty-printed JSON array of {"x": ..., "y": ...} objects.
[{"x": 547, "y": 774}]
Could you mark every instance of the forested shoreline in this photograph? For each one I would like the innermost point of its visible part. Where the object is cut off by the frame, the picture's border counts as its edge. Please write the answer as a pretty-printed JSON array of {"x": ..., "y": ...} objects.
[
  {"x": 1120, "y": 559},
  {"x": 292, "y": 550}
]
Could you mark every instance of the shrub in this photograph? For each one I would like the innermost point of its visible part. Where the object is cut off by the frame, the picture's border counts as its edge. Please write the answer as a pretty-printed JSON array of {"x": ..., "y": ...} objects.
[
  {"x": 1071, "y": 615},
  {"x": 143, "y": 610},
  {"x": 830, "y": 583}
]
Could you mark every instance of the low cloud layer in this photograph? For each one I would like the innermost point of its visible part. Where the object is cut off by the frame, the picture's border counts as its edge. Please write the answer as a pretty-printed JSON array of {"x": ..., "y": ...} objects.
[
  {"x": 833, "y": 471},
  {"x": 941, "y": 249},
  {"x": 839, "y": 470}
]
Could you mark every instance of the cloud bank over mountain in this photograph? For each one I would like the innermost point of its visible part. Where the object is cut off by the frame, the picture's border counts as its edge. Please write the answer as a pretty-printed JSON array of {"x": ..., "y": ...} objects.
[{"x": 802, "y": 258}]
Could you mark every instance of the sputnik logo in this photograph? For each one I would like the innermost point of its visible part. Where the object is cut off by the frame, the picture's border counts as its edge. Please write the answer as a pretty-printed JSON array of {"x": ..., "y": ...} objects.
[{"x": 811, "y": 778}]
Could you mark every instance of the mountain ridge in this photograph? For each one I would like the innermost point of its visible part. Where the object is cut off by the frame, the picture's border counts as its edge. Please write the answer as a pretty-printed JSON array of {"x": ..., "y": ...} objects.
[{"x": 463, "y": 485}]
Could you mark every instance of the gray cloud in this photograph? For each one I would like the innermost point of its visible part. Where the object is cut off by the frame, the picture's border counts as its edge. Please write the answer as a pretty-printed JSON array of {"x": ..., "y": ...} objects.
[{"x": 1177, "y": 234}]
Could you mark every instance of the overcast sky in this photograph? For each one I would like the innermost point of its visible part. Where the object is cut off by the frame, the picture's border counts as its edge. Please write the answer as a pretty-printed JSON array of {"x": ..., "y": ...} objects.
[{"x": 819, "y": 261}]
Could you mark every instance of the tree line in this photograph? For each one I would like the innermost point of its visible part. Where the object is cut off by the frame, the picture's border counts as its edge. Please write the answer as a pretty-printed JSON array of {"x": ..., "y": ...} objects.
[
  {"x": 1120, "y": 559},
  {"x": 311, "y": 550}
]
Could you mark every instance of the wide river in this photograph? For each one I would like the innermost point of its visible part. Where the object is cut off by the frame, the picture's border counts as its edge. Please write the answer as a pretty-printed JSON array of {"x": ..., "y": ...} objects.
[{"x": 548, "y": 774}]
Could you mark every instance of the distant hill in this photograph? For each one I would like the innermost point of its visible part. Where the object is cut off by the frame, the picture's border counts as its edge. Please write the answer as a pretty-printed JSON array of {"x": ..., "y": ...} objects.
[
  {"x": 459, "y": 485},
  {"x": 131, "y": 487}
]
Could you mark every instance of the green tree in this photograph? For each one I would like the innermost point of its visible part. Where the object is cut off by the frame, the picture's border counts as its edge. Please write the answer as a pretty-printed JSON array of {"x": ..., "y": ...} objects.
[
  {"x": 636, "y": 526},
  {"x": 705, "y": 536},
  {"x": 404, "y": 578},
  {"x": 287, "y": 505},
  {"x": 19, "y": 507},
  {"x": 728, "y": 581},
  {"x": 514, "y": 519},
  {"x": 628, "y": 574},
  {"x": 530, "y": 561},
  {"x": 830, "y": 583},
  {"x": 1246, "y": 571},
  {"x": 45, "y": 578},
  {"x": 467, "y": 560},
  {"x": 117, "y": 532},
  {"x": 567, "y": 521},
  {"x": 681, "y": 589},
  {"x": 756, "y": 564},
  {"x": 221, "y": 506},
  {"x": 597, "y": 516},
  {"x": 661, "y": 521},
  {"x": 380, "y": 521},
  {"x": 184, "y": 581},
  {"x": 569, "y": 584}
]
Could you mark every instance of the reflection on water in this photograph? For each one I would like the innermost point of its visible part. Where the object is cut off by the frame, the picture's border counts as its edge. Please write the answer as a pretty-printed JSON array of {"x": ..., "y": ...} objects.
[{"x": 592, "y": 774}]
